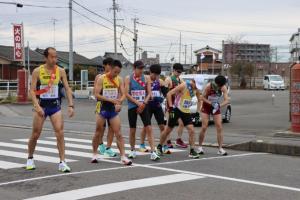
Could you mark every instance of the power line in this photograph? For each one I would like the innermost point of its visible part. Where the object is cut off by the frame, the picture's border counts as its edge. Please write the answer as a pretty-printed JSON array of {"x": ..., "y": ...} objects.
[
  {"x": 206, "y": 33},
  {"x": 92, "y": 20}
]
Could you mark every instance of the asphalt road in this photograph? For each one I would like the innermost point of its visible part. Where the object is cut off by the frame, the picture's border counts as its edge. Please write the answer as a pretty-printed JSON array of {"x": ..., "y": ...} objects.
[{"x": 241, "y": 175}]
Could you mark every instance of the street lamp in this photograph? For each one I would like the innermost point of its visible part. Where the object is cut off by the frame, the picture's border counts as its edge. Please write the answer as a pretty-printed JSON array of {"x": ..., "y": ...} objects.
[{"x": 19, "y": 5}]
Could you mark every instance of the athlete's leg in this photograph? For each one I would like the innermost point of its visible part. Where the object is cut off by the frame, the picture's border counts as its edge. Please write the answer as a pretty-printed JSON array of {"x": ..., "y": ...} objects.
[
  {"x": 58, "y": 126},
  {"x": 205, "y": 120},
  {"x": 99, "y": 131},
  {"x": 219, "y": 128},
  {"x": 37, "y": 127}
]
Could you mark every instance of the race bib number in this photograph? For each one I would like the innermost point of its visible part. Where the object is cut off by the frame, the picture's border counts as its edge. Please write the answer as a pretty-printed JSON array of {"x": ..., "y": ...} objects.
[
  {"x": 51, "y": 94},
  {"x": 213, "y": 99},
  {"x": 186, "y": 103},
  {"x": 155, "y": 94},
  {"x": 138, "y": 95},
  {"x": 111, "y": 93}
]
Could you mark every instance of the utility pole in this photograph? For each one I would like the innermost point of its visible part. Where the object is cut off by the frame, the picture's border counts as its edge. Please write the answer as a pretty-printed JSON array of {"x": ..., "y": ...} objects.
[
  {"x": 191, "y": 54},
  {"x": 180, "y": 47},
  {"x": 223, "y": 58},
  {"x": 185, "y": 54},
  {"x": 115, "y": 9},
  {"x": 54, "y": 22},
  {"x": 135, "y": 37},
  {"x": 70, "y": 42}
]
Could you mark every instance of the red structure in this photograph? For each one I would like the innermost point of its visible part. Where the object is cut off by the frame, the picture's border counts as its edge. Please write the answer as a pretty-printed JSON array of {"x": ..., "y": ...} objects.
[
  {"x": 22, "y": 86},
  {"x": 295, "y": 98}
]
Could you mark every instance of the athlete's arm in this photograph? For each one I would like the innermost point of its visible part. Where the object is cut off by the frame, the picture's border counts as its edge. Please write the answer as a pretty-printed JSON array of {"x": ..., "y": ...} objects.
[
  {"x": 174, "y": 91},
  {"x": 35, "y": 102},
  {"x": 122, "y": 90},
  {"x": 225, "y": 94},
  {"x": 128, "y": 96},
  {"x": 199, "y": 102},
  {"x": 148, "y": 89},
  {"x": 68, "y": 92},
  {"x": 168, "y": 82},
  {"x": 204, "y": 94}
]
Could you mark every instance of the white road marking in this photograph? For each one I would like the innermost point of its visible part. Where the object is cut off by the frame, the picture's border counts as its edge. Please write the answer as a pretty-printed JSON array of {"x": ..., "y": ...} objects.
[
  {"x": 49, "y": 159},
  {"x": 118, "y": 187},
  {"x": 62, "y": 174},
  {"x": 51, "y": 150},
  {"x": 10, "y": 165},
  {"x": 113, "y": 144},
  {"x": 77, "y": 146}
]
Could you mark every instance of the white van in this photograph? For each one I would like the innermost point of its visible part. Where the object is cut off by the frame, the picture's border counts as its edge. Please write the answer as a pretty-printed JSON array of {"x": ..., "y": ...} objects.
[{"x": 273, "y": 82}]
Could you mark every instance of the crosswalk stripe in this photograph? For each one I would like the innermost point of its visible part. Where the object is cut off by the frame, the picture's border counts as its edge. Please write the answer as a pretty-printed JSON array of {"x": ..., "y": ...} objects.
[
  {"x": 50, "y": 150},
  {"x": 77, "y": 146},
  {"x": 113, "y": 144},
  {"x": 118, "y": 187},
  {"x": 49, "y": 159},
  {"x": 10, "y": 165}
]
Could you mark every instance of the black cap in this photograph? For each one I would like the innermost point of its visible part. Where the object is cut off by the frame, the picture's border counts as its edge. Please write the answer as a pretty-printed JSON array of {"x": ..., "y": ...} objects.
[{"x": 138, "y": 64}]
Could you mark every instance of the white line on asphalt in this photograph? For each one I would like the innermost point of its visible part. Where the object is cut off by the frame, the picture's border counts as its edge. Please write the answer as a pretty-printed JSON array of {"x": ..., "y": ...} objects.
[
  {"x": 113, "y": 144},
  {"x": 77, "y": 146},
  {"x": 49, "y": 159},
  {"x": 117, "y": 187},
  {"x": 62, "y": 174},
  {"x": 210, "y": 158},
  {"x": 50, "y": 150},
  {"x": 10, "y": 165}
]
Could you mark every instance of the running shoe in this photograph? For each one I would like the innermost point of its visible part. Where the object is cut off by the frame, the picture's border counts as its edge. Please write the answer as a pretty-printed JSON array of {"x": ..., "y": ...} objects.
[
  {"x": 109, "y": 152},
  {"x": 63, "y": 167},
  {"x": 132, "y": 154},
  {"x": 200, "y": 151},
  {"x": 159, "y": 150},
  {"x": 180, "y": 143},
  {"x": 126, "y": 161},
  {"x": 222, "y": 152},
  {"x": 166, "y": 149},
  {"x": 94, "y": 159},
  {"x": 101, "y": 149},
  {"x": 154, "y": 156},
  {"x": 193, "y": 154},
  {"x": 170, "y": 145},
  {"x": 30, "y": 164},
  {"x": 143, "y": 148}
]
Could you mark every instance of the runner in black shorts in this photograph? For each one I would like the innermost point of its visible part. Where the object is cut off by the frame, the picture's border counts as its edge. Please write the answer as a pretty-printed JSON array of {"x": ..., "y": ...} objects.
[
  {"x": 154, "y": 106},
  {"x": 138, "y": 93}
]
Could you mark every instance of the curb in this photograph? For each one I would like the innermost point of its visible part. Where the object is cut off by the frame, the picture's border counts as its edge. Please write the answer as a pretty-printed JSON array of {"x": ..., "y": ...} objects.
[{"x": 267, "y": 147}]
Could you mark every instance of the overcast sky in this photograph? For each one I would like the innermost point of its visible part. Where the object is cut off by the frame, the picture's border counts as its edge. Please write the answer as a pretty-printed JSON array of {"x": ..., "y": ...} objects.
[{"x": 256, "y": 21}]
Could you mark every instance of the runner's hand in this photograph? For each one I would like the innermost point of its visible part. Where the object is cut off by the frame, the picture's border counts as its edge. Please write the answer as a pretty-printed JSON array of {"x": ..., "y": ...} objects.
[
  {"x": 71, "y": 112},
  {"x": 118, "y": 108},
  {"x": 115, "y": 101},
  {"x": 40, "y": 111},
  {"x": 141, "y": 108}
]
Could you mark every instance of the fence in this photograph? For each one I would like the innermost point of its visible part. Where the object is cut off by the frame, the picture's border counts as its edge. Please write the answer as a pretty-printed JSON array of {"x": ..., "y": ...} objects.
[{"x": 8, "y": 88}]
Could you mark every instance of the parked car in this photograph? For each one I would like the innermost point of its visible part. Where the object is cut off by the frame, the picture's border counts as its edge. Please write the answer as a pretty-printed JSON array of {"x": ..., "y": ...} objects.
[
  {"x": 273, "y": 82},
  {"x": 225, "y": 111}
]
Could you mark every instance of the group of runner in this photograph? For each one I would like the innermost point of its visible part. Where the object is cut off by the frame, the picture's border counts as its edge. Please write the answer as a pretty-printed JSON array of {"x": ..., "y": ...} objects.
[{"x": 145, "y": 95}]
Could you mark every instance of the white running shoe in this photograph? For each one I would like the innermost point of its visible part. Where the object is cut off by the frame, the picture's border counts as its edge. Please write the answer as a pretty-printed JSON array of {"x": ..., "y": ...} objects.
[
  {"x": 200, "y": 150},
  {"x": 30, "y": 164},
  {"x": 154, "y": 156},
  {"x": 132, "y": 154},
  {"x": 63, "y": 167},
  {"x": 126, "y": 161},
  {"x": 94, "y": 159},
  {"x": 222, "y": 152}
]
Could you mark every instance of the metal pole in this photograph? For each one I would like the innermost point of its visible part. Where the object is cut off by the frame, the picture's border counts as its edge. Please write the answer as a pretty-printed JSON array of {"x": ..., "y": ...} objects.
[
  {"x": 185, "y": 54},
  {"x": 191, "y": 54},
  {"x": 180, "y": 47},
  {"x": 135, "y": 38},
  {"x": 70, "y": 42},
  {"x": 223, "y": 57},
  {"x": 23, "y": 46},
  {"x": 115, "y": 28},
  {"x": 54, "y": 23},
  {"x": 28, "y": 67}
]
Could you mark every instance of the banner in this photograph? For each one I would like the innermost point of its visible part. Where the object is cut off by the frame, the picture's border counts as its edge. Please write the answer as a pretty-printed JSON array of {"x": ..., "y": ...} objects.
[{"x": 18, "y": 42}]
